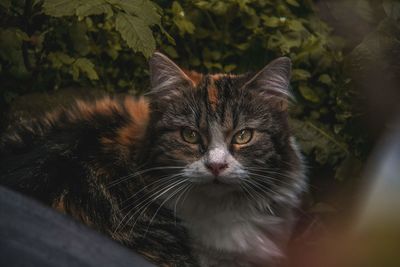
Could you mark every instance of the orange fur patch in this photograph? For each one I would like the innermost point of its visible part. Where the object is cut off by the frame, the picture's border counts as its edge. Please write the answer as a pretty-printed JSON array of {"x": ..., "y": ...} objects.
[
  {"x": 140, "y": 114},
  {"x": 194, "y": 76},
  {"x": 76, "y": 213},
  {"x": 59, "y": 205},
  {"x": 105, "y": 106},
  {"x": 125, "y": 137},
  {"x": 218, "y": 76}
]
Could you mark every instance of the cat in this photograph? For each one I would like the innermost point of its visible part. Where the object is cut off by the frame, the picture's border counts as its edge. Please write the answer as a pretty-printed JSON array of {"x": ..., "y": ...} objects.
[{"x": 201, "y": 171}]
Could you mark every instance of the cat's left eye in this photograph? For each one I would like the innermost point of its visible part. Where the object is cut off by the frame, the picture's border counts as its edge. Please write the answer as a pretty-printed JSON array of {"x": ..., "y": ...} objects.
[
  {"x": 242, "y": 137},
  {"x": 190, "y": 136}
]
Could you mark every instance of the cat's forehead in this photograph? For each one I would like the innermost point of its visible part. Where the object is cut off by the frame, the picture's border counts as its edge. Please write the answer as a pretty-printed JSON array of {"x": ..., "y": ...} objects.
[
  {"x": 219, "y": 99},
  {"x": 218, "y": 90}
]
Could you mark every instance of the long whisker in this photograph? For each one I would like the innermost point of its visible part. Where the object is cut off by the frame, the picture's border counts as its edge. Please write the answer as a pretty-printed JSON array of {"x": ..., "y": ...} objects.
[
  {"x": 162, "y": 204},
  {"x": 191, "y": 186},
  {"x": 132, "y": 209},
  {"x": 159, "y": 181},
  {"x": 265, "y": 190},
  {"x": 254, "y": 191},
  {"x": 267, "y": 179},
  {"x": 135, "y": 174},
  {"x": 152, "y": 193},
  {"x": 270, "y": 171},
  {"x": 178, "y": 198},
  {"x": 145, "y": 207},
  {"x": 246, "y": 189}
]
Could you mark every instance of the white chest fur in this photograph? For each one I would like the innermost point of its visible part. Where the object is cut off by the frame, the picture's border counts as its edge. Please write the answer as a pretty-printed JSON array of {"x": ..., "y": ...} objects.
[
  {"x": 221, "y": 232},
  {"x": 235, "y": 232}
]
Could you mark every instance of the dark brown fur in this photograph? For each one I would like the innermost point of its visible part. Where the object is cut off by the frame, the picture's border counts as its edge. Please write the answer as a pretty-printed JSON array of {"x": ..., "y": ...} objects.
[{"x": 69, "y": 159}]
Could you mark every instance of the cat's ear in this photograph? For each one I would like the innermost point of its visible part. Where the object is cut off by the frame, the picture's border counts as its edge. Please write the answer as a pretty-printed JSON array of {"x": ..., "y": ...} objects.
[
  {"x": 166, "y": 77},
  {"x": 272, "y": 82}
]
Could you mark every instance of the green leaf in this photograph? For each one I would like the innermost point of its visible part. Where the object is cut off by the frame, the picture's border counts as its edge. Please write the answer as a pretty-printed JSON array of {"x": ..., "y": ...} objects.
[
  {"x": 271, "y": 21},
  {"x": 308, "y": 94},
  {"x": 325, "y": 79},
  {"x": 293, "y": 3},
  {"x": 171, "y": 51},
  {"x": 11, "y": 40},
  {"x": 166, "y": 34},
  {"x": 144, "y": 9},
  {"x": 300, "y": 75},
  {"x": 316, "y": 139},
  {"x": 230, "y": 67},
  {"x": 87, "y": 67},
  {"x": 184, "y": 25},
  {"x": 58, "y": 59},
  {"x": 94, "y": 7},
  {"x": 295, "y": 26},
  {"x": 60, "y": 8},
  {"x": 75, "y": 72},
  {"x": 79, "y": 38},
  {"x": 136, "y": 33}
]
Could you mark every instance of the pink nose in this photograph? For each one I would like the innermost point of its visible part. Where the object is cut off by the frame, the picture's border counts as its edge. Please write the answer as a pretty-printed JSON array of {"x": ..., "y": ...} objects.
[{"x": 216, "y": 168}]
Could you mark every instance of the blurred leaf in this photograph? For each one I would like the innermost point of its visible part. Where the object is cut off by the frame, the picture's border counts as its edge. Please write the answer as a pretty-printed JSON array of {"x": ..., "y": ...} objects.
[
  {"x": 184, "y": 25},
  {"x": 349, "y": 169},
  {"x": 11, "y": 40},
  {"x": 79, "y": 38},
  {"x": 325, "y": 79},
  {"x": 5, "y": 4},
  {"x": 365, "y": 10},
  {"x": 86, "y": 66},
  {"x": 300, "y": 75},
  {"x": 171, "y": 51},
  {"x": 392, "y": 9},
  {"x": 58, "y": 59},
  {"x": 295, "y": 25},
  {"x": 230, "y": 67},
  {"x": 270, "y": 21},
  {"x": 308, "y": 93},
  {"x": 293, "y": 3},
  {"x": 315, "y": 139}
]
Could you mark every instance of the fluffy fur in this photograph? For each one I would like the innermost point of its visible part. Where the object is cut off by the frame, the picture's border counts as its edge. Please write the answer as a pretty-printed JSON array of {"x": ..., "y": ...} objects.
[{"x": 124, "y": 167}]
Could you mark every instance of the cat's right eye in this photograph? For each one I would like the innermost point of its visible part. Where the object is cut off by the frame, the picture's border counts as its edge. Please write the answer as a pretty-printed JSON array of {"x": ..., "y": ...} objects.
[{"x": 191, "y": 136}]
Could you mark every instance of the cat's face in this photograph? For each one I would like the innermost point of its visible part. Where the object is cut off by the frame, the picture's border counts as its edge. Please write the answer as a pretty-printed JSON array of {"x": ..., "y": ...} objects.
[{"x": 221, "y": 132}]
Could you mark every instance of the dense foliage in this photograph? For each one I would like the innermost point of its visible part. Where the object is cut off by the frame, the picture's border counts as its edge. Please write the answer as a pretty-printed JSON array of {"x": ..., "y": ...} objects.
[{"x": 51, "y": 44}]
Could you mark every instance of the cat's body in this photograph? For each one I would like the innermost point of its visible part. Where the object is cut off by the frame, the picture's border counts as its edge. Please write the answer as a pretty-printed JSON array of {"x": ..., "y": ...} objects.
[{"x": 215, "y": 151}]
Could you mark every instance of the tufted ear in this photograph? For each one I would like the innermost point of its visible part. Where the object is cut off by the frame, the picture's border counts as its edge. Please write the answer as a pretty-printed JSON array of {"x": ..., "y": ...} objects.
[
  {"x": 166, "y": 77},
  {"x": 273, "y": 81}
]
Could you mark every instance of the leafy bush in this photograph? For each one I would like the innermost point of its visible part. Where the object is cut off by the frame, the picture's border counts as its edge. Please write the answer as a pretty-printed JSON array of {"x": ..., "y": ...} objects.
[{"x": 51, "y": 44}]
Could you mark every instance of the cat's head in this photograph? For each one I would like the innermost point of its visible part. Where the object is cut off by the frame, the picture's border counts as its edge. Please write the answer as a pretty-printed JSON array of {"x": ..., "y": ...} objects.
[{"x": 222, "y": 133}]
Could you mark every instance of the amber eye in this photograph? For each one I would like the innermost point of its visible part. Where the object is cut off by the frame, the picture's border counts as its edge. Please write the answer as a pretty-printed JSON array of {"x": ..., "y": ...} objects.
[
  {"x": 190, "y": 136},
  {"x": 242, "y": 137}
]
